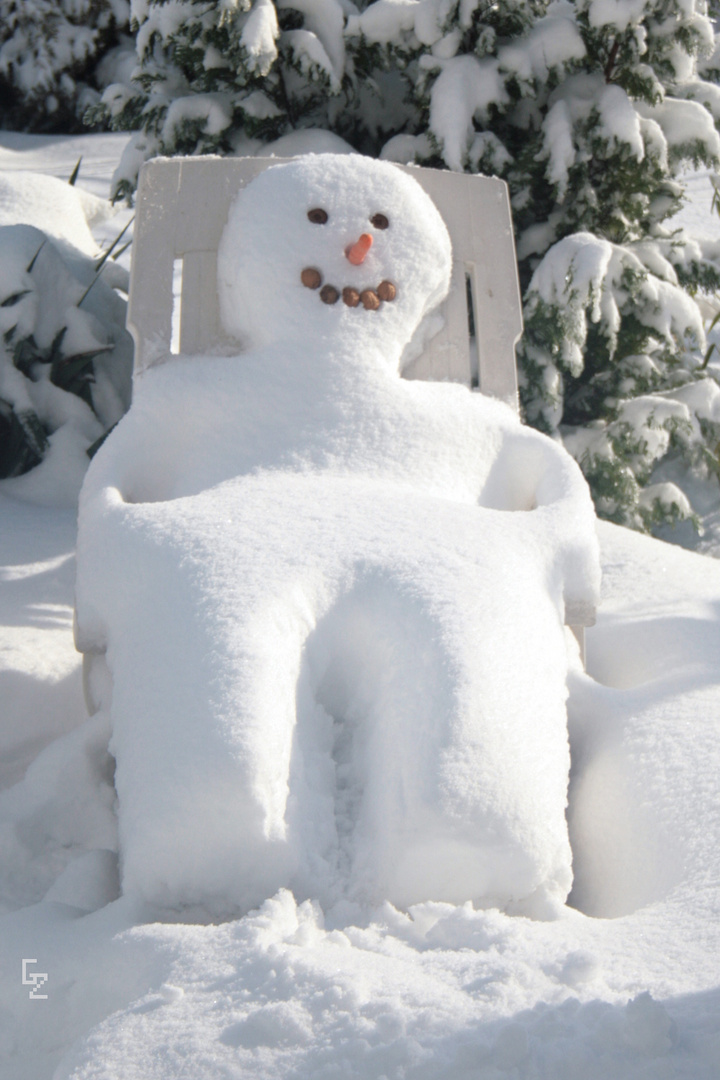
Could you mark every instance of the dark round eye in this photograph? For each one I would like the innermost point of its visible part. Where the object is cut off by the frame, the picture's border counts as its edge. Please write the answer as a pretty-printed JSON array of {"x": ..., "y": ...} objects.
[
  {"x": 379, "y": 221},
  {"x": 318, "y": 216}
]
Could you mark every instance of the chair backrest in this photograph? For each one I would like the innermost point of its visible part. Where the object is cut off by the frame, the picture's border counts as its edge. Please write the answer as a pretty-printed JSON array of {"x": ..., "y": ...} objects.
[{"x": 181, "y": 211}]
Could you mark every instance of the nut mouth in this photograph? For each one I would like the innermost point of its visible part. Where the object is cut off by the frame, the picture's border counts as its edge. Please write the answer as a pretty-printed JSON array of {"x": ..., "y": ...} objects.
[{"x": 370, "y": 299}]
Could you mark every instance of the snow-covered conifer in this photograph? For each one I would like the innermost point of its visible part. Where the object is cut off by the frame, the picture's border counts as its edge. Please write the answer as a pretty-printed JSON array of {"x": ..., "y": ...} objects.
[
  {"x": 65, "y": 355},
  {"x": 48, "y": 52},
  {"x": 588, "y": 109}
]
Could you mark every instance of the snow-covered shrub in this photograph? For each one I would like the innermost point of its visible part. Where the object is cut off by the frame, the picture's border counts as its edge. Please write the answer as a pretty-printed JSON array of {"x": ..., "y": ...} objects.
[
  {"x": 589, "y": 110},
  {"x": 65, "y": 357},
  {"x": 612, "y": 346},
  {"x": 48, "y": 52}
]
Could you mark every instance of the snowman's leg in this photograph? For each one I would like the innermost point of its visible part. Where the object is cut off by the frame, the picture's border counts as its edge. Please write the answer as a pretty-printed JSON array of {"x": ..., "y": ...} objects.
[
  {"x": 202, "y": 732},
  {"x": 377, "y": 671},
  {"x": 372, "y": 710},
  {"x": 449, "y": 783}
]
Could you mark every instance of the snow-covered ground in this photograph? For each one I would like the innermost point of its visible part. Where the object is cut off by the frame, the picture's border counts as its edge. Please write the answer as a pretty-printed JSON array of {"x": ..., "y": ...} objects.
[{"x": 624, "y": 984}]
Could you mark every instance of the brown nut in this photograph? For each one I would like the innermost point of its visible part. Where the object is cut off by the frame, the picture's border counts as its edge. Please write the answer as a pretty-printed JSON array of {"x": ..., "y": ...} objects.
[
  {"x": 370, "y": 300},
  {"x": 329, "y": 294},
  {"x": 311, "y": 278},
  {"x": 318, "y": 216},
  {"x": 350, "y": 296},
  {"x": 386, "y": 290}
]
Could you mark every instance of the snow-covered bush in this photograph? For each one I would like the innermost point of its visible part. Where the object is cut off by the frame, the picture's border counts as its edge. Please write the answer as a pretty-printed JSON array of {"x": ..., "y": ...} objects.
[
  {"x": 589, "y": 110},
  {"x": 49, "y": 50},
  {"x": 65, "y": 357}
]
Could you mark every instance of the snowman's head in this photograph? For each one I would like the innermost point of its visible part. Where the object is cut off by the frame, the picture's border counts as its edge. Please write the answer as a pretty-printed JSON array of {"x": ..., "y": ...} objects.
[{"x": 332, "y": 247}]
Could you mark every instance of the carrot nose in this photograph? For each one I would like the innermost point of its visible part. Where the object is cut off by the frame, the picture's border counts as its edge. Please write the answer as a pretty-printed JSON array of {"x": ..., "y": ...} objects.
[{"x": 356, "y": 252}]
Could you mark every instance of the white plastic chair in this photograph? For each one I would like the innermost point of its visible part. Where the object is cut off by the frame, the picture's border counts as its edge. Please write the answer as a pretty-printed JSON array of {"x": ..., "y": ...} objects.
[{"x": 181, "y": 209}]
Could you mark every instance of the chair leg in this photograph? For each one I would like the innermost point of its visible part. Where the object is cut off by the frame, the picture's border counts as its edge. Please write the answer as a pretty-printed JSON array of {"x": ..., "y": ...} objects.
[{"x": 579, "y": 632}]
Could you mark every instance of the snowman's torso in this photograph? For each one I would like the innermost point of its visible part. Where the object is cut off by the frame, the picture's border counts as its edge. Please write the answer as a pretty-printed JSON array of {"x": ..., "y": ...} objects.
[{"x": 199, "y": 422}]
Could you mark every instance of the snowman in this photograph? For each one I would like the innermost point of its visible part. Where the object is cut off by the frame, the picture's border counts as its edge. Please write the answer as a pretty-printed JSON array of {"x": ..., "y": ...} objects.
[{"x": 331, "y": 600}]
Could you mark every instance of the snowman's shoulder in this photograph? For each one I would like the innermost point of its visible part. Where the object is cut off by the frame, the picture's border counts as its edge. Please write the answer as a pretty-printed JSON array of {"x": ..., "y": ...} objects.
[{"x": 459, "y": 401}]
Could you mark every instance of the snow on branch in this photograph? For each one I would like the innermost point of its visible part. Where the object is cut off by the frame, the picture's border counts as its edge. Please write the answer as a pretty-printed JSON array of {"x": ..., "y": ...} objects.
[{"x": 465, "y": 89}]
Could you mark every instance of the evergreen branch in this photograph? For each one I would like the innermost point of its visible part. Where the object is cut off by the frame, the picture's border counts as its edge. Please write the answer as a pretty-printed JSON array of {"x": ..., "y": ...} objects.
[
  {"x": 286, "y": 97},
  {"x": 712, "y": 346},
  {"x": 612, "y": 57}
]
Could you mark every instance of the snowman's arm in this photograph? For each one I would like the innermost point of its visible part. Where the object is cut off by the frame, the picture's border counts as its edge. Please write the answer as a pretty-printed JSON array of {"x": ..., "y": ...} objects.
[
  {"x": 533, "y": 473},
  {"x": 529, "y": 470}
]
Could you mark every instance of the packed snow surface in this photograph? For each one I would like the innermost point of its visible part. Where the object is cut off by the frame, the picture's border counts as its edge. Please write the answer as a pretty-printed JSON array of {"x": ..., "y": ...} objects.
[{"x": 332, "y": 601}]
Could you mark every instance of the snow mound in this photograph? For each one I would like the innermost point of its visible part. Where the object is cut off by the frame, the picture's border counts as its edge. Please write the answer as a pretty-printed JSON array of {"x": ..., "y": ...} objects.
[
  {"x": 65, "y": 360},
  {"x": 63, "y": 212},
  {"x": 333, "y": 600}
]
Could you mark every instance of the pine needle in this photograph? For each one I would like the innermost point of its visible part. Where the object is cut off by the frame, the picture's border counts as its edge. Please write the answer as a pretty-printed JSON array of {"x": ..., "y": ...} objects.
[
  {"x": 32, "y": 261},
  {"x": 74, "y": 174},
  {"x": 104, "y": 259},
  {"x": 116, "y": 241}
]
